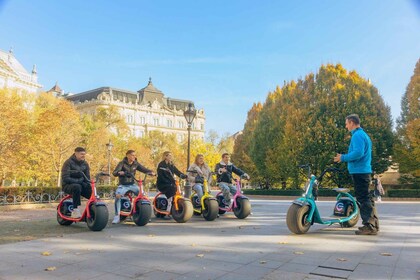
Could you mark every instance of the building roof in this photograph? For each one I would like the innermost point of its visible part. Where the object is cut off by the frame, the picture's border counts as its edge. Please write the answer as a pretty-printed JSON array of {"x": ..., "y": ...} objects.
[
  {"x": 145, "y": 96},
  {"x": 55, "y": 88},
  {"x": 14, "y": 64}
]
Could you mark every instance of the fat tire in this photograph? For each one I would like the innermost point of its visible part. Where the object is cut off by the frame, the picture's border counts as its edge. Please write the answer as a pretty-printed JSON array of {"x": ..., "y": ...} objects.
[
  {"x": 243, "y": 208},
  {"x": 221, "y": 204},
  {"x": 62, "y": 221},
  {"x": 296, "y": 219},
  {"x": 143, "y": 213},
  {"x": 99, "y": 217},
  {"x": 185, "y": 210},
  {"x": 211, "y": 209},
  {"x": 352, "y": 222}
]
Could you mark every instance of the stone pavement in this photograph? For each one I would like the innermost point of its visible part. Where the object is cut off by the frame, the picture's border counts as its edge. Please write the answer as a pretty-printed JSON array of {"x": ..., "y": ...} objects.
[{"x": 259, "y": 247}]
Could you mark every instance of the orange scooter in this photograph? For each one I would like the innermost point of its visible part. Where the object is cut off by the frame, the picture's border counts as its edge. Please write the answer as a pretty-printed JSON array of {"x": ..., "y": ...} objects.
[{"x": 182, "y": 209}]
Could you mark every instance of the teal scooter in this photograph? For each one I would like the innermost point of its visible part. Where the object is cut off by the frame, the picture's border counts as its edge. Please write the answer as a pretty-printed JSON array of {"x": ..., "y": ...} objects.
[{"x": 304, "y": 212}]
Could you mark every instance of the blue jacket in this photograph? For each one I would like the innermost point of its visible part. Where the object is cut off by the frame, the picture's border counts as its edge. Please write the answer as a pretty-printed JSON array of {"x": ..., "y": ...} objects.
[{"x": 359, "y": 156}]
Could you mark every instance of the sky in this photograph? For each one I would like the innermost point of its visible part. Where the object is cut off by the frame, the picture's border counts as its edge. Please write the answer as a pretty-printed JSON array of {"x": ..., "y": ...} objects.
[{"x": 223, "y": 55}]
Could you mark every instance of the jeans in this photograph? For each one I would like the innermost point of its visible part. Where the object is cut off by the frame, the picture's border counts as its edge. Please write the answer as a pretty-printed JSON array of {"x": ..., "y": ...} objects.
[
  {"x": 365, "y": 199},
  {"x": 121, "y": 191},
  {"x": 198, "y": 188},
  {"x": 227, "y": 189}
]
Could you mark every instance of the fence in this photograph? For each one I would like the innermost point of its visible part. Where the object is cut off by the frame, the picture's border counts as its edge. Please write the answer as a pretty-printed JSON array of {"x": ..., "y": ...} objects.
[{"x": 42, "y": 197}]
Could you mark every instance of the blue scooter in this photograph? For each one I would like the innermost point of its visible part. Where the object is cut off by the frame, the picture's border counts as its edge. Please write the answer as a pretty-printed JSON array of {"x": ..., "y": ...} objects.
[{"x": 304, "y": 212}]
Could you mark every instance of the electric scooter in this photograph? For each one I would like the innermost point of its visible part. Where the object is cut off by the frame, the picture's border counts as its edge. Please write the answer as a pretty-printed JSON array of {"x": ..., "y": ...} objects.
[
  {"x": 95, "y": 214},
  {"x": 139, "y": 207},
  {"x": 207, "y": 205},
  {"x": 303, "y": 212},
  {"x": 182, "y": 209},
  {"x": 241, "y": 206}
]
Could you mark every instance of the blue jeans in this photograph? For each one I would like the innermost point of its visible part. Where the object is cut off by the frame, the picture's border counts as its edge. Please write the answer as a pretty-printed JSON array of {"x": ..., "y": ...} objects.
[
  {"x": 227, "y": 189},
  {"x": 198, "y": 188},
  {"x": 121, "y": 191}
]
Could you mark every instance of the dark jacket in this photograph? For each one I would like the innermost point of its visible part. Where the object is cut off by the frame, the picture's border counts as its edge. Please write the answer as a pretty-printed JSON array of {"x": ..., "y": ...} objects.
[
  {"x": 128, "y": 169},
  {"x": 226, "y": 177},
  {"x": 164, "y": 177},
  {"x": 69, "y": 174}
]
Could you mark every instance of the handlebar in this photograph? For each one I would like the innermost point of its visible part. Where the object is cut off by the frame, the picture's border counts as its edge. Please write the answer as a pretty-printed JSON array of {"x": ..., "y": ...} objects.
[
  {"x": 132, "y": 176},
  {"x": 96, "y": 176}
]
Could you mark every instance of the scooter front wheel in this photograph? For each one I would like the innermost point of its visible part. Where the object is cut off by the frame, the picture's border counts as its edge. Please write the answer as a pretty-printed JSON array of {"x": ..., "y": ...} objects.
[
  {"x": 211, "y": 209},
  {"x": 98, "y": 217},
  {"x": 143, "y": 213},
  {"x": 296, "y": 219},
  {"x": 184, "y": 212},
  {"x": 243, "y": 208}
]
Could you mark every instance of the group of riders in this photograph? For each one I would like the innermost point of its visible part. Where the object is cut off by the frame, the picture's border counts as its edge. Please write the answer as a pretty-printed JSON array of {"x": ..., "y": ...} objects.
[{"x": 77, "y": 185}]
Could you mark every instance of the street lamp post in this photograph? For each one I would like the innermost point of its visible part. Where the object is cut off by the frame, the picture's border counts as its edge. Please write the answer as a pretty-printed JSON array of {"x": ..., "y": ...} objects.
[
  {"x": 189, "y": 115},
  {"x": 109, "y": 146}
]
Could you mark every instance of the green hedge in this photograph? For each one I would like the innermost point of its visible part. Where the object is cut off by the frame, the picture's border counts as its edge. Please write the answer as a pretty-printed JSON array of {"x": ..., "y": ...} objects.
[
  {"x": 403, "y": 193},
  {"x": 329, "y": 192}
]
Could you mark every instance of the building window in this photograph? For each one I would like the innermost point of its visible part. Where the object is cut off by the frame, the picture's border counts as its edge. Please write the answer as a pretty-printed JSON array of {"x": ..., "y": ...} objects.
[
  {"x": 180, "y": 137},
  {"x": 181, "y": 124},
  {"x": 156, "y": 122},
  {"x": 142, "y": 120},
  {"x": 130, "y": 118},
  {"x": 169, "y": 123},
  {"x": 202, "y": 126}
]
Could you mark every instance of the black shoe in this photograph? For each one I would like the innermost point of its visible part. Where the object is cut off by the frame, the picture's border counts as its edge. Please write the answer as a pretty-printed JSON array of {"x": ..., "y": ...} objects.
[
  {"x": 362, "y": 227},
  {"x": 366, "y": 230}
]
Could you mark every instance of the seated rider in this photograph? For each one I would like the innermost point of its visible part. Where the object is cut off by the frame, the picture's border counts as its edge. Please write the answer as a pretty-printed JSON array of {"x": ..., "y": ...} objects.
[
  {"x": 165, "y": 177},
  {"x": 126, "y": 170},
  {"x": 74, "y": 183},
  {"x": 196, "y": 179},
  {"x": 224, "y": 170}
]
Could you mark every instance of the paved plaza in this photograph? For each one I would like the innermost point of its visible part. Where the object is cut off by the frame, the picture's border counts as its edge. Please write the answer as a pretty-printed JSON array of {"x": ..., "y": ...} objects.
[{"x": 259, "y": 247}]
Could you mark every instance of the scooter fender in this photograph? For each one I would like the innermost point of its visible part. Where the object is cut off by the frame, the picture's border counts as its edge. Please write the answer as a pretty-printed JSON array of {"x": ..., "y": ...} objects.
[
  {"x": 312, "y": 207},
  {"x": 100, "y": 203},
  {"x": 145, "y": 201}
]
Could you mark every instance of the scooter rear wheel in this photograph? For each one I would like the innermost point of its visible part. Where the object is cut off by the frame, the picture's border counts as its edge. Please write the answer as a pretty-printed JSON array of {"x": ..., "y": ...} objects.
[
  {"x": 296, "y": 219},
  {"x": 62, "y": 221},
  {"x": 352, "y": 222}
]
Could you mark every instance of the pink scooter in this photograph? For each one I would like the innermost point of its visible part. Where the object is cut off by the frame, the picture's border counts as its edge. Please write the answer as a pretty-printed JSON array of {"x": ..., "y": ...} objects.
[{"x": 240, "y": 206}]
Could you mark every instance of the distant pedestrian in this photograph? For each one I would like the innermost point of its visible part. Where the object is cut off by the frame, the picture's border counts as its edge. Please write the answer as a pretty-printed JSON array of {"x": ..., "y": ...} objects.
[{"x": 358, "y": 160}]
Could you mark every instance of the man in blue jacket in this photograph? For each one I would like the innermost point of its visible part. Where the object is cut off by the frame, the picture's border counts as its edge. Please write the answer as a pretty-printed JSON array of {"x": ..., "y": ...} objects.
[{"x": 358, "y": 160}]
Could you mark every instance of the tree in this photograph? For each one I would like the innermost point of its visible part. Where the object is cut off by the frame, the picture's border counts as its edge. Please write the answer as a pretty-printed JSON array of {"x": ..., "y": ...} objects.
[
  {"x": 303, "y": 122},
  {"x": 14, "y": 133},
  {"x": 407, "y": 148},
  {"x": 57, "y": 131}
]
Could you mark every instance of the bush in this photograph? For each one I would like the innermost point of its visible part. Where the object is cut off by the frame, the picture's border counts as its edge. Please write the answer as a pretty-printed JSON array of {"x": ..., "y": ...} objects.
[{"x": 404, "y": 193}]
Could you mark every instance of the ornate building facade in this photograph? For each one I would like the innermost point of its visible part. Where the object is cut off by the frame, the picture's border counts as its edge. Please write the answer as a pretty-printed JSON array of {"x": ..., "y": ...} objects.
[
  {"x": 145, "y": 110},
  {"x": 14, "y": 75}
]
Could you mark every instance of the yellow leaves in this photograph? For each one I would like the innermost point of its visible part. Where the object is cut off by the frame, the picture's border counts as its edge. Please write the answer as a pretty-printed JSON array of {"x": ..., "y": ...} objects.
[
  {"x": 50, "y": 268},
  {"x": 46, "y": 253}
]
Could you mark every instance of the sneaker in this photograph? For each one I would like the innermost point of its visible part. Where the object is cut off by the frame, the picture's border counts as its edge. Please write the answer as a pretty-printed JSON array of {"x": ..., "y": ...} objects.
[
  {"x": 366, "y": 230},
  {"x": 116, "y": 219},
  {"x": 75, "y": 214},
  {"x": 227, "y": 203}
]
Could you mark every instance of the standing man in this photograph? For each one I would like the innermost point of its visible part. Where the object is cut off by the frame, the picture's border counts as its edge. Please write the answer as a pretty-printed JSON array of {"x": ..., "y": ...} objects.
[
  {"x": 74, "y": 183},
  {"x": 126, "y": 171},
  {"x": 358, "y": 160}
]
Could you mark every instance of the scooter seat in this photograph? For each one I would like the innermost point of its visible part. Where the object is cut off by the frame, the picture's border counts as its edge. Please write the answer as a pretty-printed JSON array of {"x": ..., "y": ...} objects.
[{"x": 341, "y": 190}]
